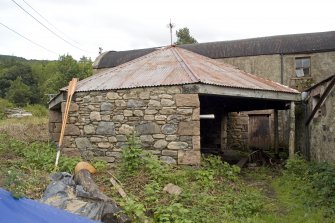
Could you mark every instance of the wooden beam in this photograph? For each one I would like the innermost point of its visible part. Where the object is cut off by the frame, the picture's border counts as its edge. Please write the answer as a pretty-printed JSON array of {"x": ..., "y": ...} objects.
[
  {"x": 56, "y": 101},
  {"x": 240, "y": 92},
  {"x": 276, "y": 133},
  {"x": 224, "y": 131},
  {"x": 291, "y": 143},
  {"x": 321, "y": 101}
]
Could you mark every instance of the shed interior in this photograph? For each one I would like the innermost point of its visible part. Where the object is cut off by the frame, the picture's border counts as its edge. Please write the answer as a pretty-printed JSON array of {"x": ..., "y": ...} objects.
[{"x": 219, "y": 136}]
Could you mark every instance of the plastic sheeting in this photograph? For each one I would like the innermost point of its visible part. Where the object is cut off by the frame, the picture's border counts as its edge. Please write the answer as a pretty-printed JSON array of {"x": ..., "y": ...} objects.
[{"x": 29, "y": 211}]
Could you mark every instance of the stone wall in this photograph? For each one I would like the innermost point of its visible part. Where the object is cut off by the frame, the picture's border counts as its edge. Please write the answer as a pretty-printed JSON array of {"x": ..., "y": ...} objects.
[
  {"x": 165, "y": 120},
  {"x": 269, "y": 66},
  {"x": 322, "y": 127},
  {"x": 237, "y": 131}
]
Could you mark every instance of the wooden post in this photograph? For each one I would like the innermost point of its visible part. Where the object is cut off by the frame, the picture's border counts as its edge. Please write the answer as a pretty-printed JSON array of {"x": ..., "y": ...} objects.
[
  {"x": 224, "y": 131},
  {"x": 276, "y": 133},
  {"x": 291, "y": 142}
]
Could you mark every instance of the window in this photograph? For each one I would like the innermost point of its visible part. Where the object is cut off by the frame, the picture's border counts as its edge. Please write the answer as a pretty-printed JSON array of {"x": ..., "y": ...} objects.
[{"x": 302, "y": 66}]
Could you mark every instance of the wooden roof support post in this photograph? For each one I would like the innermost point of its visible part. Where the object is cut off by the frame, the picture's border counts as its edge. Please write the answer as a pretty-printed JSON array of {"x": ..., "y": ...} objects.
[
  {"x": 276, "y": 134},
  {"x": 224, "y": 131},
  {"x": 291, "y": 142}
]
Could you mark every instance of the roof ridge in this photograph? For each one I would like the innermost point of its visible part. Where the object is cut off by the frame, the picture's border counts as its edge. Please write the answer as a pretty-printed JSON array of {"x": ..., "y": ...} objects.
[{"x": 190, "y": 72}]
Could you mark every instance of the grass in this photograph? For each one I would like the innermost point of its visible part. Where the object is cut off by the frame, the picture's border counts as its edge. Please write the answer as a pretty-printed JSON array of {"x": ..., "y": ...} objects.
[{"x": 212, "y": 192}]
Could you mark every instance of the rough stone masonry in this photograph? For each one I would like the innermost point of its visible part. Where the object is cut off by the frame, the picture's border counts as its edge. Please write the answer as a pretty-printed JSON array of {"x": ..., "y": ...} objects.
[{"x": 166, "y": 122}]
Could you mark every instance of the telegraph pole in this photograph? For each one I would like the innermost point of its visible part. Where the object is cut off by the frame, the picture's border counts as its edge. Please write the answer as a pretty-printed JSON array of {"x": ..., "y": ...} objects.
[{"x": 171, "y": 26}]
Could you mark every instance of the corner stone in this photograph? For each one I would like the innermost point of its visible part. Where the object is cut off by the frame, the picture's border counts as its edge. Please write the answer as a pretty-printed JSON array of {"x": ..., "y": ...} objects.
[
  {"x": 189, "y": 128},
  {"x": 72, "y": 130},
  {"x": 187, "y": 100},
  {"x": 189, "y": 157}
]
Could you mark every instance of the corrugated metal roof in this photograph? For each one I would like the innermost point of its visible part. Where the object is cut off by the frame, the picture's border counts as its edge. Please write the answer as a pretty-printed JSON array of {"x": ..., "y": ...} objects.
[
  {"x": 175, "y": 66},
  {"x": 283, "y": 44}
]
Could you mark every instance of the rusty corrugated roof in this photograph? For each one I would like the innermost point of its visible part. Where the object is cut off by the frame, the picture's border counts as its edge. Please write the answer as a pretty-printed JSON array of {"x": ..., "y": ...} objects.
[{"x": 175, "y": 66}]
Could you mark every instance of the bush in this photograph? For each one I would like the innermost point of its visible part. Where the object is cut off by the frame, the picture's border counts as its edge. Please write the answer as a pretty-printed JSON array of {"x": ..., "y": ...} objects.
[
  {"x": 316, "y": 182},
  {"x": 37, "y": 110},
  {"x": 220, "y": 168},
  {"x": 3, "y": 105}
]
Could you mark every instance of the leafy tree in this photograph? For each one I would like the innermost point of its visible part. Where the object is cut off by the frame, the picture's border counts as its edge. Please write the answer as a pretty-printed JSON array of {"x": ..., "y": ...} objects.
[
  {"x": 19, "y": 93},
  {"x": 40, "y": 76},
  {"x": 4, "y": 85},
  {"x": 184, "y": 37}
]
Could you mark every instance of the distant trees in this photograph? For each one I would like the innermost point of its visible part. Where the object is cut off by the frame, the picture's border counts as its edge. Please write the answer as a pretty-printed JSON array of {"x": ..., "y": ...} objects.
[
  {"x": 28, "y": 82},
  {"x": 184, "y": 37},
  {"x": 19, "y": 93}
]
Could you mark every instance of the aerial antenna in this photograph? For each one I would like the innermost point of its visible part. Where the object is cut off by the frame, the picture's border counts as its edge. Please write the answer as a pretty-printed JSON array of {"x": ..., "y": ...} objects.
[{"x": 171, "y": 26}]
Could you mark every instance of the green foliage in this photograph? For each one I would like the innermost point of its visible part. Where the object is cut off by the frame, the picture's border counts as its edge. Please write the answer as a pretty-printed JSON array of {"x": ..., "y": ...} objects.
[
  {"x": 100, "y": 165},
  {"x": 174, "y": 212},
  {"x": 131, "y": 157},
  {"x": 41, "y": 77},
  {"x": 221, "y": 168},
  {"x": 18, "y": 93},
  {"x": 135, "y": 209},
  {"x": 14, "y": 182},
  {"x": 184, "y": 37},
  {"x": 314, "y": 183},
  {"x": 3, "y": 105},
  {"x": 37, "y": 110},
  {"x": 204, "y": 177},
  {"x": 197, "y": 198},
  {"x": 37, "y": 155}
]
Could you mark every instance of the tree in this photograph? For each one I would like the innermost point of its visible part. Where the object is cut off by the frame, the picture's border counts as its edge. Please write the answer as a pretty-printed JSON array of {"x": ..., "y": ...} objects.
[
  {"x": 19, "y": 93},
  {"x": 184, "y": 37}
]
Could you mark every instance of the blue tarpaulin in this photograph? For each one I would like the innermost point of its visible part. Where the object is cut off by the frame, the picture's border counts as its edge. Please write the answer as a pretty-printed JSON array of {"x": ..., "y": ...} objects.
[{"x": 29, "y": 211}]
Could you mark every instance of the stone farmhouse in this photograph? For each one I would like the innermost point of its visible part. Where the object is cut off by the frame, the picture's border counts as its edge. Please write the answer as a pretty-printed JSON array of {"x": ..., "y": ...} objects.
[{"x": 250, "y": 112}]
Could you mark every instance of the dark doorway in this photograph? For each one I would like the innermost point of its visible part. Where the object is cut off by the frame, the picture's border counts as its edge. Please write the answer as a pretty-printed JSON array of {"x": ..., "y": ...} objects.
[{"x": 259, "y": 132}]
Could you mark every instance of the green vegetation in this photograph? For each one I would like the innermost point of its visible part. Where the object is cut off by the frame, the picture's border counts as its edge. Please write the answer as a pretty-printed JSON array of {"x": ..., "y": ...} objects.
[
  {"x": 212, "y": 192},
  {"x": 25, "y": 166},
  {"x": 25, "y": 82},
  {"x": 184, "y": 37}
]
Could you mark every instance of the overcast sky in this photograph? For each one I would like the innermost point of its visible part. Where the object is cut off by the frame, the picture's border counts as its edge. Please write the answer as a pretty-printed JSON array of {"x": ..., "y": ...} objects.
[{"x": 125, "y": 24}]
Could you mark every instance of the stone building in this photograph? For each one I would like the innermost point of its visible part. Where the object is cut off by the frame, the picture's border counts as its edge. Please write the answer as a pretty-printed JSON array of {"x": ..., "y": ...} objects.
[
  {"x": 161, "y": 98},
  {"x": 318, "y": 121},
  {"x": 297, "y": 61}
]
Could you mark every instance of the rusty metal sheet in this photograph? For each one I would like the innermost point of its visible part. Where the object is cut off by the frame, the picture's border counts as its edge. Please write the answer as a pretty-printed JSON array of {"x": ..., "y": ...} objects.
[{"x": 175, "y": 66}]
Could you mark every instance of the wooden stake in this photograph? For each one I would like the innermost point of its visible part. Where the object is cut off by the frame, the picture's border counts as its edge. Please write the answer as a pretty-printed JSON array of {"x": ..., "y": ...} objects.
[
  {"x": 70, "y": 91},
  {"x": 118, "y": 187}
]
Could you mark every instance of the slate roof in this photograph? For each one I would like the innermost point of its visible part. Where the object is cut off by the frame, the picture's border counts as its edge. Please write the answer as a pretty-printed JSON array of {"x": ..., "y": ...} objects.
[
  {"x": 283, "y": 44},
  {"x": 176, "y": 66}
]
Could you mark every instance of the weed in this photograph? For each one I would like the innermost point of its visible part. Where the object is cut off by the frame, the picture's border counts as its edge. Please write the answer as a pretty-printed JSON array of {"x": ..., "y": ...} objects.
[
  {"x": 131, "y": 157},
  {"x": 100, "y": 165},
  {"x": 135, "y": 209},
  {"x": 220, "y": 168},
  {"x": 174, "y": 212}
]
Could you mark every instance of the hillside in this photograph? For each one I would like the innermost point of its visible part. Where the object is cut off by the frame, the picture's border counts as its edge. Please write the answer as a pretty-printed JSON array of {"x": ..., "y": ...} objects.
[{"x": 25, "y": 81}]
